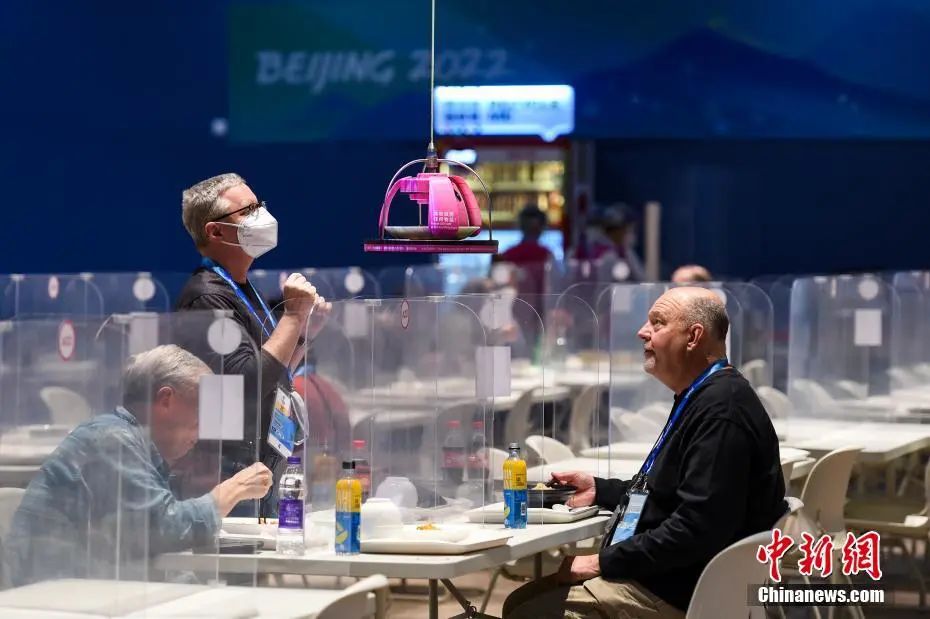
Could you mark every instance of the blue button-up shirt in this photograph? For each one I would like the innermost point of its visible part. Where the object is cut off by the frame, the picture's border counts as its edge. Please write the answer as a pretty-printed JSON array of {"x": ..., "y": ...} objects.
[{"x": 101, "y": 506}]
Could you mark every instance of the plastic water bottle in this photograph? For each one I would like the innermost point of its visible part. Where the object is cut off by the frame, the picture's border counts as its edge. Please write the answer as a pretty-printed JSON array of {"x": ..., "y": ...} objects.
[
  {"x": 515, "y": 489},
  {"x": 291, "y": 509}
]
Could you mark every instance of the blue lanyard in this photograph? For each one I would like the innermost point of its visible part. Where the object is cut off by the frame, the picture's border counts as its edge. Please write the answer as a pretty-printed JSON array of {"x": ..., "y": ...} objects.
[
  {"x": 209, "y": 264},
  {"x": 654, "y": 453}
]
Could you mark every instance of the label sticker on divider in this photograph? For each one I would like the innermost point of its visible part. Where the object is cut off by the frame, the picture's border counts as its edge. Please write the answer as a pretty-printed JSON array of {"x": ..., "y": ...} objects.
[
  {"x": 143, "y": 289},
  {"x": 354, "y": 281},
  {"x": 492, "y": 372},
  {"x": 355, "y": 319},
  {"x": 143, "y": 332},
  {"x": 53, "y": 287},
  {"x": 67, "y": 340},
  {"x": 405, "y": 314},
  {"x": 868, "y": 327},
  {"x": 222, "y": 407}
]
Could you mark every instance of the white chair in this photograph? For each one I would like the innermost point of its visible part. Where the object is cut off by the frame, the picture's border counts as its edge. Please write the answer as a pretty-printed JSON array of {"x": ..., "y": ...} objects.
[
  {"x": 67, "y": 407},
  {"x": 902, "y": 378},
  {"x": 583, "y": 423},
  {"x": 721, "y": 589},
  {"x": 657, "y": 412},
  {"x": 811, "y": 396},
  {"x": 776, "y": 403},
  {"x": 794, "y": 507},
  {"x": 548, "y": 450},
  {"x": 851, "y": 389},
  {"x": 635, "y": 427},
  {"x": 786, "y": 469},
  {"x": 518, "y": 423},
  {"x": 355, "y": 600},
  {"x": 756, "y": 372}
]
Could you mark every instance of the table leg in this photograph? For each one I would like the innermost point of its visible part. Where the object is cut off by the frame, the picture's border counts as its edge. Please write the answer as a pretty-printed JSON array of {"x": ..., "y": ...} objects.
[
  {"x": 433, "y": 598},
  {"x": 537, "y": 566}
]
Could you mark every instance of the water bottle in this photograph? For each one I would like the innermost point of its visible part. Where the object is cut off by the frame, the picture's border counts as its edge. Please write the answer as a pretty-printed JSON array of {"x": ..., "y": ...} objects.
[
  {"x": 514, "y": 489},
  {"x": 291, "y": 509},
  {"x": 348, "y": 511},
  {"x": 453, "y": 455}
]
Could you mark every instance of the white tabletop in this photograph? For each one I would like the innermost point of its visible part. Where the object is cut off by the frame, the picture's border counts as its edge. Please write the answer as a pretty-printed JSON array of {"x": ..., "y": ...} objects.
[
  {"x": 619, "y": 468},
  {"x": 104, "y": 598},
  {"x": 526, "y": 542},
  {"x": 880, "y": 442}
]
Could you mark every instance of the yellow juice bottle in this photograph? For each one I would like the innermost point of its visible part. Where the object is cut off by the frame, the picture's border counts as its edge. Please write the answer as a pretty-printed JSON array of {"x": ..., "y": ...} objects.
[
  {"x": 515, "y": 489},
  {"x": 348, "y": 511}
]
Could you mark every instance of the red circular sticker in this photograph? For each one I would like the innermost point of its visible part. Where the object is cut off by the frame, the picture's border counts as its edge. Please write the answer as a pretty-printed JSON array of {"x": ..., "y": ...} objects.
[
  {"x": 67, "y": 341},
  {"x": 405, "y": 314}
]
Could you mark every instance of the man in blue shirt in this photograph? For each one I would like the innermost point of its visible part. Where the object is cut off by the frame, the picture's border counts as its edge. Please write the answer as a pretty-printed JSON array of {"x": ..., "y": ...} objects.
[{"x": 101, "y": 504}]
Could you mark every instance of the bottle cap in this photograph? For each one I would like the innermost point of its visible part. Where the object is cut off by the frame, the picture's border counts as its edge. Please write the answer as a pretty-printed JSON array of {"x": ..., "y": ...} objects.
[
  {"x": 515, "y": 446},
  {"x": 348, "y": 465},
  {"x": 293, "y": 459}
]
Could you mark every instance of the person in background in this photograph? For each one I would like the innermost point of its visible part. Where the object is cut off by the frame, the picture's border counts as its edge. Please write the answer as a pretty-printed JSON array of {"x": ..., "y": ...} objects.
[
  {"x": 529, "y": 251},
  {"x": 690, "y": 274},
  {"x": 610, "y": 239},
  {"x": 713, "y": 477},
  {"x": 101, "y": 505},
  {"x": 231, "y": 228}
]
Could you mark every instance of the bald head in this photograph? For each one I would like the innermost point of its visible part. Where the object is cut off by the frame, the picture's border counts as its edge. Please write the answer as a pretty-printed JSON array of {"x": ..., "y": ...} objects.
[
  {"x": 685, "y": 331},
  {"x": 703, "y": 306},
  {"x": 690, "y": 273}
]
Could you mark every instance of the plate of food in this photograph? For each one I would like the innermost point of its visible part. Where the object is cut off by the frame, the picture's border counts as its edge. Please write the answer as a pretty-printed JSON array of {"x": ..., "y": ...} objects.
[{"x": 547, "y": 494}]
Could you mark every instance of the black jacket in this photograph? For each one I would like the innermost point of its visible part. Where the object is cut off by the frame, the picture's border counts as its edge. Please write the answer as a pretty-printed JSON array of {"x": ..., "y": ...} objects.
[
  {"x": 717, "y": 480},
  {"x": 205, "y": 290}
]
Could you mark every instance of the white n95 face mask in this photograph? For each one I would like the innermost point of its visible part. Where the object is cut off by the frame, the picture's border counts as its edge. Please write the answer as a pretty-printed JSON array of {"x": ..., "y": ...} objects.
[{"x": 258, "y": 234}]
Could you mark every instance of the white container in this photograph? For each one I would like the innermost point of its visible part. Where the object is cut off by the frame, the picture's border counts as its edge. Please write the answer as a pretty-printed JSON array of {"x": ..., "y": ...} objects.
[
  {"x": 381, "y": 519},
  {"x": 400, "y": 490}
]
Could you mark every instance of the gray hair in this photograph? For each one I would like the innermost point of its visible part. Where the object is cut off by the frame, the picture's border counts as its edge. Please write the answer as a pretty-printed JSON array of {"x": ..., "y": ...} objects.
[
  {"x": 711, "y": 314},
  {"x": 203, "y": 202},
  {"x": 162, "y": 366}
]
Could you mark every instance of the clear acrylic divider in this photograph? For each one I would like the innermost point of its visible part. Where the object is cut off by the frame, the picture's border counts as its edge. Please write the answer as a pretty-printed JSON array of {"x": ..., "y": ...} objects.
[
  {"x": 910, "y": 331},
  {"x": 756, "y": 335},
  {"x": 349, "y": 283},
  {"x": 131, "y": 292},
  {"x": 51, "y": 295},
  {"x": 269, "y": 283},
  {"x": 840, "y": 348},
  {"x": 438, "y": 279},
  {"x": 139, "y": 482},
  {"x": 393, "y": 282}
]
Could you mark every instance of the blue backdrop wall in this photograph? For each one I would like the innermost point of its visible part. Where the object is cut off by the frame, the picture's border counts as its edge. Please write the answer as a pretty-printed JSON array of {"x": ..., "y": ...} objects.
[{"x": 106, "y": 116}]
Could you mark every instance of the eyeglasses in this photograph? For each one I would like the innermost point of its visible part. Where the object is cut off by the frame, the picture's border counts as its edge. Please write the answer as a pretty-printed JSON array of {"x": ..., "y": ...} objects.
[{"x": 249, "y": 210}]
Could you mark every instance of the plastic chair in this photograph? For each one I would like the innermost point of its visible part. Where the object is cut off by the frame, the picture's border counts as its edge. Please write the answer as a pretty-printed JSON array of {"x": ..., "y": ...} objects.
[
  {"x": 548, "y": 449},
  {"x": 634, "y": 427},
  {"x": 756, "y": 372},
  {"x": 813, "y": 397},
  {"x": 794, "y": 507},
  {"x": 897, "y": 521},
  {"x": 495, "y": 459},
  {"x": 776, "y": 403},
  {"x": 67, "y": 407},
  {"x": 518, "y": 423},
  {"x": 354, "y": 601},
  {"x": 657, "y": 412},
  {"x": 721, "y": 589},
  {"x": 583, "y": 422},
  {"x": 786, "y": 469},
  {"x": 824, "y": 493}
]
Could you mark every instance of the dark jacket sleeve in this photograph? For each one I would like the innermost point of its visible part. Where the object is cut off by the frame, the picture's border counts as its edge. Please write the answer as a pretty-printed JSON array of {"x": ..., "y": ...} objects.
[
  {"x": 712, "y": 491},
  {"x": 244, "y": 360},
  {"x": 608, "y": 493}
]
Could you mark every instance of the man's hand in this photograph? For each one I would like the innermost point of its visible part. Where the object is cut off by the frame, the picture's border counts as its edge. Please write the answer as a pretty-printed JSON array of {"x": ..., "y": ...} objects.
[
  {"x": 251, "y": 483},
  {"x": 576, "y": 570},
  {"x": 299, "y": 296},
  {"x": 584, "y": 495}
]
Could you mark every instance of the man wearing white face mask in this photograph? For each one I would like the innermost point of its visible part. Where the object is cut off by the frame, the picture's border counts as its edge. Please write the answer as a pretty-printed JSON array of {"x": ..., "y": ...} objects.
[{"x": 231, "y": 228}]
